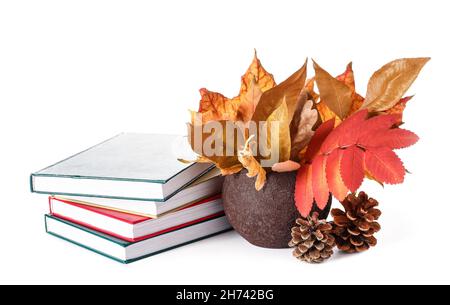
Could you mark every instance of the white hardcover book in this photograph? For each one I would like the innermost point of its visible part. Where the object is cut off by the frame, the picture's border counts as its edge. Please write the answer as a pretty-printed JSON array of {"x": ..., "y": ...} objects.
[{"x": 128, "y": 166}]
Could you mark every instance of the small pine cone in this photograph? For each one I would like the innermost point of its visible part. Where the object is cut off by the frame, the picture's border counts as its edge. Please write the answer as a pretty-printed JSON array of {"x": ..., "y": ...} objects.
[
  {"x": 354, "y": 228},
  {"x": 312, "y": 239}
]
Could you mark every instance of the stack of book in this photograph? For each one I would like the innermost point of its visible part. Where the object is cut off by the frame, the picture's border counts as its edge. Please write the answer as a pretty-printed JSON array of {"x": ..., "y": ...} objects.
[{"x": 128, "y": 198}]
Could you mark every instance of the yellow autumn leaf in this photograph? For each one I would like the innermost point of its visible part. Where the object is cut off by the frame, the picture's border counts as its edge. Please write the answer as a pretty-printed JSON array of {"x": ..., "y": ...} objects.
[
  {"x": 280, "y": 117},
  {"x": 388, "y": 85},
  {"x": 253, "y": 167}
]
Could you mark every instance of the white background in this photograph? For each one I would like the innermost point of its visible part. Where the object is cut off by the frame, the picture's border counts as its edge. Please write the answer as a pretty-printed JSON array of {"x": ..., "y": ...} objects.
[{"x": 73, "y": 73}]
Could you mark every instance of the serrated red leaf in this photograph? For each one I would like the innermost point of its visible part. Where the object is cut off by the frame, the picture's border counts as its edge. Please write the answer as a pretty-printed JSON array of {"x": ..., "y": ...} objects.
[
  {"x": 375, "y": 124},
  {"x": 384, "y": 165},
  {"x": 334, "y": 179},
  {"x": 345, "y": 134},
  {"x": 393, "y": 139},
  {"x": 319, "y": 181},
  {"x": 352, "y": 167},
  {"x": 319, "y": 136},
  {"x": 303, "y": 190}
]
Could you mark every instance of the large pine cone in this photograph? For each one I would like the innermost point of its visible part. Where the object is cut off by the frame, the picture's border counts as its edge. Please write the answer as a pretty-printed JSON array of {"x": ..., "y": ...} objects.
[
  {"x": 312, "y": 239},
  {"x": 354, "y": 228}
]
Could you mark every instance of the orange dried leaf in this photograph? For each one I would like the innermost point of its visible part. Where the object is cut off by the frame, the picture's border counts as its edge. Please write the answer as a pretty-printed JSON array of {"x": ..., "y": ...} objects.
[
  {"x": 257, "y": 73},
  {"x": 348, "y": 78},
  {"x": 399, "y": 108},
  {"x": 248, "y": 102},
  {"x": 249, "y": 162},
  {"x": 214, "y": 106}
]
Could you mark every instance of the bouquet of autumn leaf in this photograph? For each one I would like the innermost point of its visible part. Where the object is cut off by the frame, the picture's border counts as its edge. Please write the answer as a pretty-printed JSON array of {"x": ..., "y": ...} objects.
[{"x": 333, "y": 139}]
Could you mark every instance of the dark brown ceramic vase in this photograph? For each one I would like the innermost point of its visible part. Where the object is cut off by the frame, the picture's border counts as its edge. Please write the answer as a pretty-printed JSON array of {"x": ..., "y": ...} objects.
[{"x": 264, "y": 218}]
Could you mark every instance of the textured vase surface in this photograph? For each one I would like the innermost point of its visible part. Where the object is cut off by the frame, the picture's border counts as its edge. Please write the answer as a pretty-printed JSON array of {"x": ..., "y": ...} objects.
[{"x": 264, "y": 218}]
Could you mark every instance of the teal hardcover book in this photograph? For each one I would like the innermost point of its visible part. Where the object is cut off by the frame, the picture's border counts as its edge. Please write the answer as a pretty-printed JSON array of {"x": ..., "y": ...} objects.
[
  {"x": 127, "y": 252},
  {"x": 128, "y": 166}
]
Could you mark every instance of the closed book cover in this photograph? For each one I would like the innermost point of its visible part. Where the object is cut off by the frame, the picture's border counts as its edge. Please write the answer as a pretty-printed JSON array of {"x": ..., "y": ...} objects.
[
  {"x": 128, "y": 166},
  {"x": 131, "y": 227},
  {"x": 126, "y": 252},
  {"x": 205, "y": 186}
]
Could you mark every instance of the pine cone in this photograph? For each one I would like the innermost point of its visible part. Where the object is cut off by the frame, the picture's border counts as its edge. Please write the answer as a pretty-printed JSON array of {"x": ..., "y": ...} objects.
[
  {"x": 354, "y": 228},
  {"x": 312, "y": 239}
]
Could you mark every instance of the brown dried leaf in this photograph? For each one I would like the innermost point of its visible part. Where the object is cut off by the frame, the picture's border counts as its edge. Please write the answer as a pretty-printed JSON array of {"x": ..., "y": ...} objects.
[
  {"x": 334, "y": 93},
  {"x": 387, "y": 85},
  {"x": 304, "y": 133},
  {"x": 214, "y": 106},
  {"x": 272, "y": 98},
  {"x": 249, "y": 162}
]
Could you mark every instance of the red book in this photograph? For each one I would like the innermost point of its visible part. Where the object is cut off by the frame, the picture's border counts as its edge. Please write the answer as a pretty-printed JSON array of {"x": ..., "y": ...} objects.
[{"x": 133, "y": 228}]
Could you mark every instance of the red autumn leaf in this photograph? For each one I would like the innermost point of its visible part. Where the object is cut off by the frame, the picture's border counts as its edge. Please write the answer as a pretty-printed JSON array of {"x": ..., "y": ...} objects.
[
  {"x": 352, "y": 167},
  {"x": 344, "y": 133},
  {"x": 385, "y": 165},
  {"x": 304, "y": 197},
  {"x": 393, "y": 139},
  {"x": 319, "y": 136},
  {"x": 354, "y": 148},
  {"x": 319, "y": 181},
  {"x": 333, "y": 174}
]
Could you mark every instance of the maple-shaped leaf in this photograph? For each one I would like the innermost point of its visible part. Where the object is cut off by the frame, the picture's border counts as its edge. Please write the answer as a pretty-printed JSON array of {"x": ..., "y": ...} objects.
[
  {"x": 271, "y": 99},
  {"x": 215, "y": 106},
  {"x": 388, "y": 85},
  {"x": 334, "y": 93},
  {"x": 256, "y": 73},
  {"x": 248, "y": 101},
  {"x": 348, "y": 77}
]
